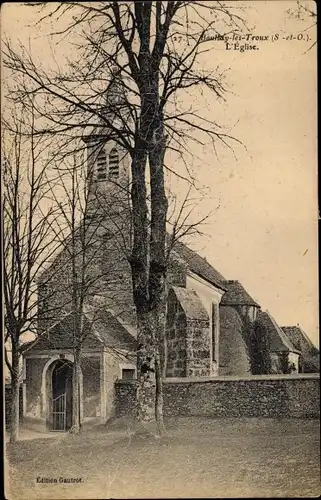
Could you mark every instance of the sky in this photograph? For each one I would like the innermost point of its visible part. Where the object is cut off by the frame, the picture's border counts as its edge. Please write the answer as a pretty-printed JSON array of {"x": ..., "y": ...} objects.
[{"x": 263, "y": 229}]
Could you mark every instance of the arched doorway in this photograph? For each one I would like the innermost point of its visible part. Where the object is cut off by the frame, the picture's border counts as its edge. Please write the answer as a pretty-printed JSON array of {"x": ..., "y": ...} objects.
[{"x": 61, "y": 419}]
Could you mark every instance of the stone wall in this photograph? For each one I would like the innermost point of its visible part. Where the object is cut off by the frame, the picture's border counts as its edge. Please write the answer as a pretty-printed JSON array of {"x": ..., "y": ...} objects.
[
  {"x": 113, "y": 373},
  {"x": 277, "y": 396},
  {"x": 125, "y": 398},
  {"x": 175, "y": 338},
  {"x": 188, "y": 343},
  {"x": 198, "y": 348}
]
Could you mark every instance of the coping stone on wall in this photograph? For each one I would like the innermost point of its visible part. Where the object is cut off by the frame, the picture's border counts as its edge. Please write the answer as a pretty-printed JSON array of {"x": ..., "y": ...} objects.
[
  {"x": 191, "y": 303},
  {"x": 223, "y": 378}
]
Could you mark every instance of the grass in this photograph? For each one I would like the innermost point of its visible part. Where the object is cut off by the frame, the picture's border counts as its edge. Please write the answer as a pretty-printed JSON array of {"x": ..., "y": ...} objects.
[{"x": 197, "y": 458}]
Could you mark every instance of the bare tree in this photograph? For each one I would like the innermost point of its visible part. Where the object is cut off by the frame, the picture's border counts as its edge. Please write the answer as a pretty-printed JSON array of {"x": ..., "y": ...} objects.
[
  {"x": 156, "y": 49},
  {"x": 88, "y": 227},
  {"x": 95, "y": 212},
  {"x": 306, "y": 13},
  {"x": 26, "y": 239}
]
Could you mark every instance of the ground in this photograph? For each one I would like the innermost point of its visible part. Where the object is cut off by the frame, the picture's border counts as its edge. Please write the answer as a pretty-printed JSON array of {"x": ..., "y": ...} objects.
[{"x": 197, "y": 458}]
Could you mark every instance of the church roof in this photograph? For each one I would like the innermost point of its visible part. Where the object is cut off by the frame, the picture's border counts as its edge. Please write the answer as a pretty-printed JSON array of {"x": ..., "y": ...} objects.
[
  {"x": 199, "y": 265},
  {"x": 99, "y": 329},
  {"x": 279, "y": 342},
  {"x": 236, "y": 295},
  {"x": 298, "y": 338},
  {"x": 110, "y": 330},
  {"x": 194, "y": 261}
]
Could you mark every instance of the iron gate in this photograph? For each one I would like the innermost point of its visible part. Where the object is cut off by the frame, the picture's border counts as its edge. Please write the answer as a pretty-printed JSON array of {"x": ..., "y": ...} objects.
[{"x": 59, "y": 413}]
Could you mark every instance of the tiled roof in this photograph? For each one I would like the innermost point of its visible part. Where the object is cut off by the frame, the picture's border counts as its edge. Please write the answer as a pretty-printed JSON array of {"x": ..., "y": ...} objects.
[
  {"x": 298, "y": 338},
  {"x": 199, "y": 265},
  {"x": 59, "y": 336},
  {"x": 236, "y": 295},
  {"x": 111, "y": 331},
  {"x": 101, "y": 329},
  {"x": 279, "y": 342}
]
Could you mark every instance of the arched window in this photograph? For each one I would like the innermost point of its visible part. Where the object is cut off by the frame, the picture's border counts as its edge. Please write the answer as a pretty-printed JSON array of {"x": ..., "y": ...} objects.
[
  {"x": 113, "y": 164},
  {"x": 101, "y": 165}
]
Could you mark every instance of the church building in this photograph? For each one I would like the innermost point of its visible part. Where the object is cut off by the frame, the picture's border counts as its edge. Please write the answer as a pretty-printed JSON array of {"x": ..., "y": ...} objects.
[{"x": 206, "y": 313}]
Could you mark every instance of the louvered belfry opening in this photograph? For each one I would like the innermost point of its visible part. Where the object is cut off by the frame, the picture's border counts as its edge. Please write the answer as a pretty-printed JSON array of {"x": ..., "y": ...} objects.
[
  {"x": 113, "y": 164},
  {"x": 101, "y": 165}
]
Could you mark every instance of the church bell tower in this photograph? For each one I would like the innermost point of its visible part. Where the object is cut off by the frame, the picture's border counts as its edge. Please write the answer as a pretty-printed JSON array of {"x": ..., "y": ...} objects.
[{"x": 108, "y": 163}]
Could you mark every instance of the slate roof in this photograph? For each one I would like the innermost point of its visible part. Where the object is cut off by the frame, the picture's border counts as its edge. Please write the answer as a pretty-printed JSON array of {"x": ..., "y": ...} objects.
[
  {"x": 279, "y": 342},
  {"x": 236, "y": 295},
  {"x": 199, "y": 265}
]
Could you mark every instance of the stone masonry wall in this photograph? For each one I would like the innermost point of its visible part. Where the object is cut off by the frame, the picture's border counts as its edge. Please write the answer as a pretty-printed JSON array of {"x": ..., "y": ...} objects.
[
  {"x": 274, "y": 396},
  {"x": 175, "y": 339},
  {"x": 125, "y": 398},
  {"x": 187, "y": 335},
  {"x": 198, "y": 353}
]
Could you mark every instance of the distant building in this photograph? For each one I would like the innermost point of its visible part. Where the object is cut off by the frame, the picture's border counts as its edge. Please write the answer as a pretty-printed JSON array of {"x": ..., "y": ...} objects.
[
  {"x": 284, "y": 356},
  {"x": 310, "y": 355}
]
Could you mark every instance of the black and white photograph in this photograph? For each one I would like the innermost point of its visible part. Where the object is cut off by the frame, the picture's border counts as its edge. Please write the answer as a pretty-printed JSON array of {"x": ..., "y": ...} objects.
[{"x": 160, "y": 249}]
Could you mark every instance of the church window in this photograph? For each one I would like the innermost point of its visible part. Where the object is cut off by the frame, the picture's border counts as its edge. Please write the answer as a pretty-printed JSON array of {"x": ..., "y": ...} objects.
[
  {"x": 101, "y": 166},
  {"x": 113, "y": 163}
]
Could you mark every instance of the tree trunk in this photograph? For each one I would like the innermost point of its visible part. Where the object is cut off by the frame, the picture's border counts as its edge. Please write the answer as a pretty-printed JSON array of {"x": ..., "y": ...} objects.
[
  {"x": 157, "y": 271},
  {"x": 14, "y": 413},
  {"x": 159, "y": 400},
  {"x": 148, "y": 254},
  {"x": 161, "y": 313},
  {"x": 146, "y": 391},
  {"x": 76, "y": 421},
  {"x": 149, "y": 367}
]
